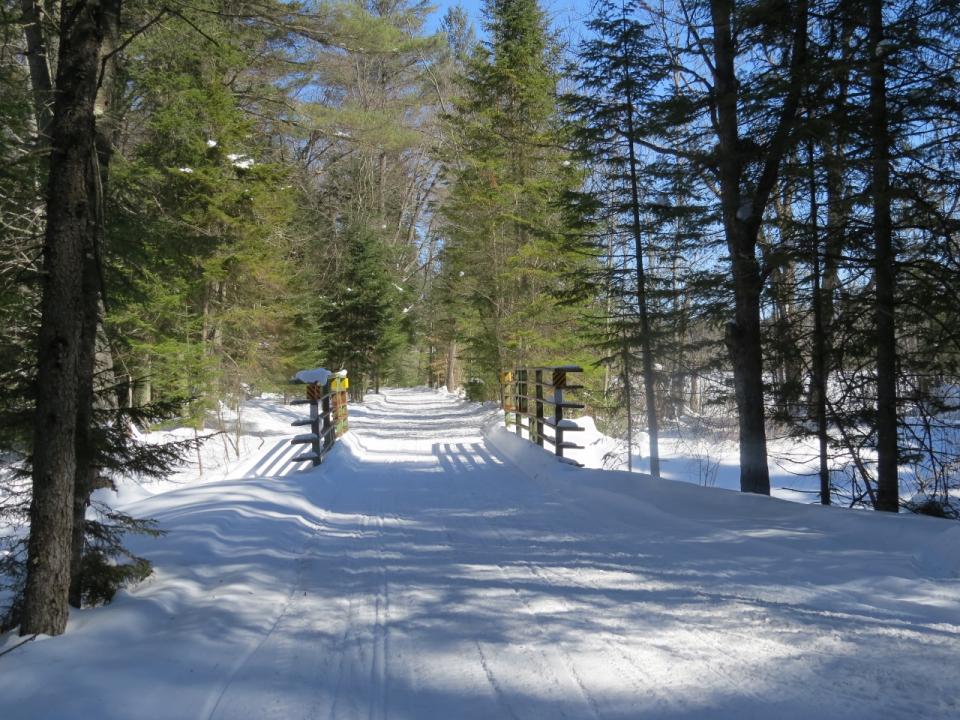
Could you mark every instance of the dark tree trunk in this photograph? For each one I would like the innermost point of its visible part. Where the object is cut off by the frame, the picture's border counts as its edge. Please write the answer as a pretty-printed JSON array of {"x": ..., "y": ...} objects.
[
  {"x": 818, "y": 379},
  {"x": 68, "y": 241},
  {"x": 744, "y": 346},
  {"x": 888, "y": 486},
  {"x": 94, "y": 370},
  {"x": 40, "y": 80},
  {"x": 451, "y": 365},
  {"x": 743, "y": 332},
  {"x": 646, "y": 342},
  {"x": 742, "y": 208}
]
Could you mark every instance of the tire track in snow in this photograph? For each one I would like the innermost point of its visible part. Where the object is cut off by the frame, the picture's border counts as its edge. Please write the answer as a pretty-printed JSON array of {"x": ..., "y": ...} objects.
[
  {"x": 342, "y": 648},
  {"x": 379, "y": 676},
  {"x": 498, "y": 692},
  {"x": 540, "y": 572},
  {"x": 564, "y": 656},
  {"x": 295, "y": 589},
  {"x": 696, "y": 636},
  {"x": 616, "y": 647}
]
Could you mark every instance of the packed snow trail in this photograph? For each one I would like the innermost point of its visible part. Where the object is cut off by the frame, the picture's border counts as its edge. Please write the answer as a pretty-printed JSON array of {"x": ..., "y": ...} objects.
[{"x": 437, "y": 569}]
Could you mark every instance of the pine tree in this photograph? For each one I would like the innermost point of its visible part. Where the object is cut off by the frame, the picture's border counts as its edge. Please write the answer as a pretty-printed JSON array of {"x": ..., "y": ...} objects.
[
  {"x": 614, "y": 69},
  {"x": 504, "y": 226},
  {"x": 358, "y": 316},
  {"x": 368, "y": 171}
]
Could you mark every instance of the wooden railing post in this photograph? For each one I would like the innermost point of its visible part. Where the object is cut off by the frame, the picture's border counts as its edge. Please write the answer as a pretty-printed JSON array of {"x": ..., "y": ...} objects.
[
  {"x": 559, "y": 381},
  {"x": 517, "y": 402},
  {"x": 329, "y": 435},
  {"x": 313, "y": 394},
  {"x": 538, "y": 379}
]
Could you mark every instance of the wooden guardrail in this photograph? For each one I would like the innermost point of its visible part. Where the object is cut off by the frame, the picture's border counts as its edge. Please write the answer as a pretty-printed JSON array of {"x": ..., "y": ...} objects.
[
  {"x": 328, "y": 418},
  {"x": 548, "y": 386}
]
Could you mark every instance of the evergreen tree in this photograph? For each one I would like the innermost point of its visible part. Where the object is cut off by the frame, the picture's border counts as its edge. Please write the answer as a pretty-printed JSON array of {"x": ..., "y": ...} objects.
[
  {"x": 368, "y": 171},
  {"x": 504, "y": 225},
  {"x": 614, "y": 70},
  {"x": 358, "y": 316}
]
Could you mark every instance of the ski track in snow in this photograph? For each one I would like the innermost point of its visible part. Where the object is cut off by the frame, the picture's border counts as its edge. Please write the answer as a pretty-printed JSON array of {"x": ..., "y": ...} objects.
[{"x": 433, "y": 569}]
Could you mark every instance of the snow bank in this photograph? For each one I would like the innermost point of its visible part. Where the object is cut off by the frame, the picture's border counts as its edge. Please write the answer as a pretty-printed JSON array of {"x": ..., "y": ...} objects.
[
  {"x": 939, "y": 555},
  {"x": 317, "y": 375}
]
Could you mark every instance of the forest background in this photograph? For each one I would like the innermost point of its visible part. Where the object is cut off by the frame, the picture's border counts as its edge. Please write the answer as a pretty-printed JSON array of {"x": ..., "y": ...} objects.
[{"x": 739, "y": 217}]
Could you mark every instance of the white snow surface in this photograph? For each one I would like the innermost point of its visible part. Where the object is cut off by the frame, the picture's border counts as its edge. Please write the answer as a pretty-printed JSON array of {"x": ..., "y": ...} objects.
[
  {"x": 318, "y": 375},
  {"x": 439, "y": 567}
]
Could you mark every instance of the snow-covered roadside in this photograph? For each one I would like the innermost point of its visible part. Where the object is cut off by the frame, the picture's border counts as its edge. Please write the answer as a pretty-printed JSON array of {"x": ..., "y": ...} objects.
[
  {"x": 261, "y": 448},
  {"x": 711, "y": 459},
  {"x": 438, "y": 567},
  {"x": 925, "y": 547}
]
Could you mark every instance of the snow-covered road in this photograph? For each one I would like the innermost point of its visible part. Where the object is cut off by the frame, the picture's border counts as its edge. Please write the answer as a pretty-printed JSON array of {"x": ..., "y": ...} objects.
[{"x": 434, "y": 568}]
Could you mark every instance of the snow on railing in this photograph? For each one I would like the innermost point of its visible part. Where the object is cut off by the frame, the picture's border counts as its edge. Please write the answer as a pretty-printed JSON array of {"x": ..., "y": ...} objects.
[
  {"x": 517, "y": 403},
  {"x": 327, "y": 398}
]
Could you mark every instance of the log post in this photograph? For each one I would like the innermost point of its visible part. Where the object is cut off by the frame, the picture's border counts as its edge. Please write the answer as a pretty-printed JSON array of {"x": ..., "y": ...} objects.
[
  {"x": 313, "y": 395},
  {"x": 559, "y": 381},
  {"x": 329, "y": 436},
  {"x": 538, "y": 379},
  {"x": 517, "y": 402}
]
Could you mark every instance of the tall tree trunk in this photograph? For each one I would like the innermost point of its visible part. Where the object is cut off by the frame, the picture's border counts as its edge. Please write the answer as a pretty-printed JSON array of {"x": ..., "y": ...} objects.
[
  {"x": 818, "y": 379},
  {"x": 451, "y": 365},
  {"x": 742, "y": 335},
  {"x": 646, "y": 342},
  {"x": 742, "y": 212},
  {"x": 95, "y": 365},
  {"x": 68, "y": 241},
  {"x": 38, "y": 61},
  {"x": 888, "y": 487}
]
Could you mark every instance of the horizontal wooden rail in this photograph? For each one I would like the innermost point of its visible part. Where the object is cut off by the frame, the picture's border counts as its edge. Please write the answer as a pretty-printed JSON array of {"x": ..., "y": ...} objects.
[{"x": 519, "y": 405}]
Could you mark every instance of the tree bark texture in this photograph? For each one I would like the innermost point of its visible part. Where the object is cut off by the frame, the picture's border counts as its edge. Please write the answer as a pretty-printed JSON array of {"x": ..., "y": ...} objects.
[
  {"x": 451, "y": 365},
  {"x": 818, "y": 376},
  {"x": 67, "y": 243},
  {"x": 95, "y": 364},
  {"x": 743, "y": 332},
  {"x": 38, "y": 61},
  {"x": 888, "y": 486},
  {"x": 646, "y": 341},
  {"x": 742, "y": 206}
]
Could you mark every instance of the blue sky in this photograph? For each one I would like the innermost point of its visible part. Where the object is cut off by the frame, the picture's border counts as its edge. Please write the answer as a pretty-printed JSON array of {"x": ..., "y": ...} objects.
[{"x": 565, "y": 15}]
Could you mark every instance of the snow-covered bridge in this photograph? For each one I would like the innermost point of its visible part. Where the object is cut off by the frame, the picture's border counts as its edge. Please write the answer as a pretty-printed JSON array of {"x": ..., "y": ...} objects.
[{"x": 437, "y": 567}]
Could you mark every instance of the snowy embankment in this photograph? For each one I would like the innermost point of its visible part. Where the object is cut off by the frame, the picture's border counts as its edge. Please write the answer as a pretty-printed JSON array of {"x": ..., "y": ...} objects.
[
  {"x": 439, "y": 567},
  {"x": 706, "y": 457}
]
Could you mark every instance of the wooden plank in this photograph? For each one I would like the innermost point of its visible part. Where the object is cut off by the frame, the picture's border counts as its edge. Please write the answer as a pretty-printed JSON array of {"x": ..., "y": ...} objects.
[
  {"x": 546, "y": 401},
  {"x": 565, "y": 428}
]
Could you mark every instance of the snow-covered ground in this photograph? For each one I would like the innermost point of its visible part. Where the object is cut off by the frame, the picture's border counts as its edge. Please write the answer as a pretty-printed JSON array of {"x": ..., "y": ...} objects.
[
  {"x": 438, "y": 567},
  {"x": 706, "y": 457}
]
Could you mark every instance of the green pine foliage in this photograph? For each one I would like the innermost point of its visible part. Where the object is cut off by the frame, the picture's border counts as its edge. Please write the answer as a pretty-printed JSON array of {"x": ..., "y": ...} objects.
[
  {"x": 357, "y": 320},
  {"x": 200, "y": 249},
  {"x": 367, "y": 121},
  {"x": 506, "y": 256}
]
